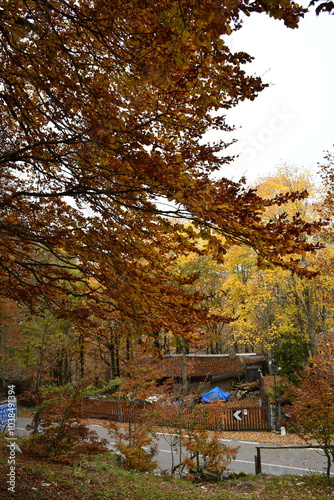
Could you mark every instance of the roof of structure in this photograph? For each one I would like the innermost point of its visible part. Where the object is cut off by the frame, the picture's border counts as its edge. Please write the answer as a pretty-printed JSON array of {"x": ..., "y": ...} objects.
[{"x": 200, "y": 365}]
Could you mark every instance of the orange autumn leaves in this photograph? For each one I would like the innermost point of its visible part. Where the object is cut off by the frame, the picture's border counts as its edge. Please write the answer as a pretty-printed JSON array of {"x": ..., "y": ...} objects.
[{"x": 104, "y": 106}]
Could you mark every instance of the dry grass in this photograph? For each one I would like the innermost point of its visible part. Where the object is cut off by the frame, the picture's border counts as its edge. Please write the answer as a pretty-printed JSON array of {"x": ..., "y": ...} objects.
[{"x": 101, "y": 479}]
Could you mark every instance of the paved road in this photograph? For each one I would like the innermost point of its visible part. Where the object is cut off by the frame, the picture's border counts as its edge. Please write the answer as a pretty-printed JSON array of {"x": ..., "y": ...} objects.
[{"x": 274, "y": 461}]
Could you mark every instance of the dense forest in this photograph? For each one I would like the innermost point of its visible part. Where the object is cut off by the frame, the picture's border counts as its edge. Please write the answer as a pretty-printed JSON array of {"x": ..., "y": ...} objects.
[
  {"x": 249, "y": 306},
  {"x": 116, "y": 229},
  {"x": 121, "y": 241}
]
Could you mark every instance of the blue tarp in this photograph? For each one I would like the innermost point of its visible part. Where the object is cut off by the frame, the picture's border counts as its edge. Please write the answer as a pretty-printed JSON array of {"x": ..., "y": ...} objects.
[
  {"x": 7, "y": 411},
  {"x": 216, "y": 394}
]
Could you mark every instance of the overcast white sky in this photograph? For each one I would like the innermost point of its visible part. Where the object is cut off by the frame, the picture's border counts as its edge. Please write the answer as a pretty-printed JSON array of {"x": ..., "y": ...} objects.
[{"x": 292, "y": 121}]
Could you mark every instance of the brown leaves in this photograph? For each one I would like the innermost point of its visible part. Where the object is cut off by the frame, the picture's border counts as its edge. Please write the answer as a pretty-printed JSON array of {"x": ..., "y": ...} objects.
[
  {"x": 104, "y": 107},
  {"x": 312, "y": 398}
]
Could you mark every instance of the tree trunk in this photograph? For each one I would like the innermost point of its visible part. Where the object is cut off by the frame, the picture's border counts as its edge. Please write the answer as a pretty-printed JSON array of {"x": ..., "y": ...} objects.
[
  {"x": 184, "y": 374},
  {"x": 329, "y": 463}
]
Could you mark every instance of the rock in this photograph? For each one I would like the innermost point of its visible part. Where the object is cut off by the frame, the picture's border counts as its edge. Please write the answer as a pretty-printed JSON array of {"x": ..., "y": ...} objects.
[{"x": 246, "y": 484}]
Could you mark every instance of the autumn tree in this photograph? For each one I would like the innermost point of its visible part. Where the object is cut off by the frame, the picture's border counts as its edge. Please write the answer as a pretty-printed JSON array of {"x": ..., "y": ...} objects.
[
  {"x": 286, "y": 179},
  {"x": 11, "y": 341},
  {"x": 56, "y": 426},
  {"x": 326, "y": 208},
  {"x": 312, "y": 409},
  {"x": 104, "y": 106},
  {"x": 140, "y": 376},
  {"x": 201, "y": 454},
  {"x": 208, "y": 456},
  {"x": 42, "y": 348},
  {"x": 274, "y": 308},
  {"x": 210, "y": 277},
  {"x": 108, "y": 338}
]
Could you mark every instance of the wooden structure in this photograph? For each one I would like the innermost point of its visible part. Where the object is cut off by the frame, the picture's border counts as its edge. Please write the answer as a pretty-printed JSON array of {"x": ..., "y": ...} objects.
[
  {"x": 214, "y": 367},
  {"x": 210, "y": 418}
]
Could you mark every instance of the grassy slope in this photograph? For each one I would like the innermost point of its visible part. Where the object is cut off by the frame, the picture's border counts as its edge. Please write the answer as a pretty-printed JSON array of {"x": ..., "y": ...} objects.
[{"x": 100, "y": 478}]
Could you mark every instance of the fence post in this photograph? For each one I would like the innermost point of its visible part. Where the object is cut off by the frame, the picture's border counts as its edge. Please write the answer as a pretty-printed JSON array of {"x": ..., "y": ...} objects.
[
  {"x": 119, "y": 412},
  {"x": 258, "y": 466},
  {"x": 271, "y": 417}
]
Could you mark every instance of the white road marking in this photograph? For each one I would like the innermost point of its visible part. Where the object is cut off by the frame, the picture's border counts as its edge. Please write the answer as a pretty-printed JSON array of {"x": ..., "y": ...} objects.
[
  {"x": 225, "y": 440},
  {"x": 281, "y": 466},
  {"x": 168, "y": 451},
  {"x": 170, "y": 434},
  {"x": 251, "y": 462},
  {"x": 249, "y": 442}
]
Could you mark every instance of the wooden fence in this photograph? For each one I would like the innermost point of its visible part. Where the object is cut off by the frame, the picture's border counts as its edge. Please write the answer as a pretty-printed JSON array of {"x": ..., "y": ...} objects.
[
  {"x": 247, "y": 419},
  {"x": 229, "y": 419}
]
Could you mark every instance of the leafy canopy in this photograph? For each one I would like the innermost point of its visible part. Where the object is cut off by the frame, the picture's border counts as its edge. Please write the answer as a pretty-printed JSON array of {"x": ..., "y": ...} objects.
[{"x": 103, "y": 107}]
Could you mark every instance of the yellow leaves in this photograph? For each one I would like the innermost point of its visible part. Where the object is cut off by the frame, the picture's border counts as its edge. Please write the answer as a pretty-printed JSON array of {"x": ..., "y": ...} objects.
[
  {"x": 286, "y": 181},
  {"x": 264, "y": 302},
  {"x": 178, "y": 196}
]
